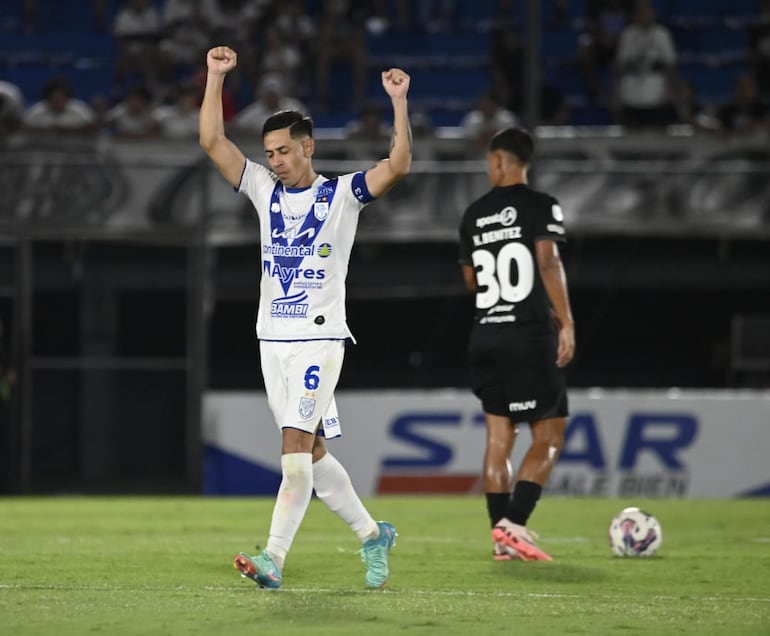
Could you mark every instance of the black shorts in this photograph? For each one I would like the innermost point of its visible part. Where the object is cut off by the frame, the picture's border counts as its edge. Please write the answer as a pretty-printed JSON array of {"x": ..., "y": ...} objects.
[{"x": 520, "y": 380}]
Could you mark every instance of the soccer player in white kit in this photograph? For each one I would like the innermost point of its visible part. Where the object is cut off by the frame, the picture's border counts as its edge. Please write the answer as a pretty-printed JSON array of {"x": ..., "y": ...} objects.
[{"x": 307, "y": 228}]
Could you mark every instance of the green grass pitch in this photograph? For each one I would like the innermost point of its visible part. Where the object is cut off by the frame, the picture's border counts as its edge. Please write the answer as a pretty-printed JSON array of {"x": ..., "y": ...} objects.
[{"x": 156, "y": 566}]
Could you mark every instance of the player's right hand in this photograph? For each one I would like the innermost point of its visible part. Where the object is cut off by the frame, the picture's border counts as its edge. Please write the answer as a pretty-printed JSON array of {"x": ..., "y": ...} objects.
[
  {"x": 566, "y": 348},
  {"x": 221, "y": 60}
]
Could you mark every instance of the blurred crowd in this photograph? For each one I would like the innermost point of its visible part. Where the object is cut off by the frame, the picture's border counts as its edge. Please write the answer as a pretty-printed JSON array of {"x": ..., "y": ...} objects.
[
  {"x": 648, "y": 90},
  {"x": 288, "y": 48}
]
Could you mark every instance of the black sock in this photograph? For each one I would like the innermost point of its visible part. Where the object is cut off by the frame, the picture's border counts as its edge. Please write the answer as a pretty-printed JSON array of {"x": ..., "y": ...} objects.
[
  {"x": 525, "y": 496},
  {"x": 497, "y": 505}
]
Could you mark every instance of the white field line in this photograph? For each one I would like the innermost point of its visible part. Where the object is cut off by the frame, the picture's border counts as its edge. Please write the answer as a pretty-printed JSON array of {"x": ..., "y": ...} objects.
[
  {"x": 325, "y": 591},
  {"x": 406, "y": 538}
]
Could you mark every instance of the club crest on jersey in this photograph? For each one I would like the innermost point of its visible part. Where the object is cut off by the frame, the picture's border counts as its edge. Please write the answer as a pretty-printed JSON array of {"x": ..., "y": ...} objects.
[
  {"x": 321, "y": 210},
  {"x": 306, "y": 407}
]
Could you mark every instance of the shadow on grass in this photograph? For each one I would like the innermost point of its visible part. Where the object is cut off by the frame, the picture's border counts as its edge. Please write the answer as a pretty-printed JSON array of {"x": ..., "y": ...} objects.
[{"x": 556, "y": 572}]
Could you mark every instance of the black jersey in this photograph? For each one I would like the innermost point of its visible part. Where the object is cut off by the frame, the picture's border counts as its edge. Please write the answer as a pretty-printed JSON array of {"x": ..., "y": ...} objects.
[{"x": 497, "y": 238}]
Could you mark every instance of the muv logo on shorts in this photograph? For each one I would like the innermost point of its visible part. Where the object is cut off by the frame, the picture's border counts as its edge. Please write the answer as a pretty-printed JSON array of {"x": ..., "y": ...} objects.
[{"x": 527, "y": 405}]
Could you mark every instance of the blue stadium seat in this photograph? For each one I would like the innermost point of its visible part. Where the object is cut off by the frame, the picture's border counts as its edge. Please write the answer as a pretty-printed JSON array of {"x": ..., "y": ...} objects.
[
  {"x": 403, "y": 43},
  {"x": 697, "y": 9},
  {"x": 458, "y": 43},
  {"x": 91, "y": 82},
  {"x": 442, "y": 117},
  {"x": 713, "y": 84},
  {"x": 567, "y": 80},
  {"x": 559, "y": 46},
  {"x": 478, "y": 10},
  {"x": 450, "y": 70},
  {"x": 587, "y": 115},
  {"x": 30, "y": 80},
  {"x": 719, "y": 39},
  {"x": 449, "y": 83}
]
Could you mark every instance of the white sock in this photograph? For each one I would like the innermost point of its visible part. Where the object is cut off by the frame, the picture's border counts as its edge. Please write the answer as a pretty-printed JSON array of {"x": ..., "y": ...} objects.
[
  {"x": 333, "y": 486},
  {"x": 290, "y": 504}
]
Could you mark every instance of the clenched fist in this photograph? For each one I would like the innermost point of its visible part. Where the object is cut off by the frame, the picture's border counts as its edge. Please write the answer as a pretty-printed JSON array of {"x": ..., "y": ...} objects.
[
  {"x": 395, "y": 82},
  {"x": 221, "y": 60}
]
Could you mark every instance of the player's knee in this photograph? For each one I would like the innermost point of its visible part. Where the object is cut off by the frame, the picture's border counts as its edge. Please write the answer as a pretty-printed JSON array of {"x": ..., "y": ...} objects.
[
  {"x": 494, "y": 470},
  {"x": 549, "y": 437},
  {"x": 296, "y": 441},
  {"x": 295, "y": 469},
  {"x": 549, "y": 432},
  {"x": 551, "y": 444}
]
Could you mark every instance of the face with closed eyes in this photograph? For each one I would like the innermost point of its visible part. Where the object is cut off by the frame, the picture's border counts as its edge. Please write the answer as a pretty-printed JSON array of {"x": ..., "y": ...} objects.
[{"x": 290, "y": 159}]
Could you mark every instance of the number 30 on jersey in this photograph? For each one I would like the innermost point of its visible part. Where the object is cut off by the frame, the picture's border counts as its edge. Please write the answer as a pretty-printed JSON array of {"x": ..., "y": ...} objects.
[{"x": 496, "y": 274}]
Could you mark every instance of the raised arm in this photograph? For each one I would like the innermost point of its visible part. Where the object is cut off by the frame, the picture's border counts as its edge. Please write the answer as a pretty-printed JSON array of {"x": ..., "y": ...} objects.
[
  {"x": 211, "y": 127},
  {"x": 555, "y": 283},
  {"x": 388, "y": 172}
]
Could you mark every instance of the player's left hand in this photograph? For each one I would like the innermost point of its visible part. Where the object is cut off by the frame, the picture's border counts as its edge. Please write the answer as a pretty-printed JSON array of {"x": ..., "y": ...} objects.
[{"x": 395, "y": 82}]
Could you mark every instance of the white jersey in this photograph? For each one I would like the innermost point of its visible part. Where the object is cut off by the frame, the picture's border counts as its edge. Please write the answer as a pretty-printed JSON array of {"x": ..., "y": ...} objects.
[{"x": 306, "y": 238}]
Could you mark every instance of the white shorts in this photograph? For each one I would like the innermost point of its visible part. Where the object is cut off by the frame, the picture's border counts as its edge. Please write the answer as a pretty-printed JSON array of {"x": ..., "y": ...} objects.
[{"x": 300, "y": 378}]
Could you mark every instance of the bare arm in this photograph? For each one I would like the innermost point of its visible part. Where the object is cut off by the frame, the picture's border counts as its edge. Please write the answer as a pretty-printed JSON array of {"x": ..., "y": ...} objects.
[
  {"x": 555, "y": 283},
  {"x": 211, "y": 128},
  {"x": 388, "y": 172},
  {"x": 469, "y": 277}
]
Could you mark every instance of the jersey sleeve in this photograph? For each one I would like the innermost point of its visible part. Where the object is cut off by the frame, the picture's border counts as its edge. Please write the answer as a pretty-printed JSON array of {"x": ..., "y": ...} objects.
[
  {"x": 360, "y": 189},
  {"x": 255, "y": 178},
  {"x": 549, "y": 221},
  {"x": 353, "y": 187},
  {"x": 466, "y": 243}
]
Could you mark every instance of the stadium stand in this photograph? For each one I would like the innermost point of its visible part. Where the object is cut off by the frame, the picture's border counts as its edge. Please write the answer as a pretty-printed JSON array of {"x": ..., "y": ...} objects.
[{"x": 450, "y": 68}]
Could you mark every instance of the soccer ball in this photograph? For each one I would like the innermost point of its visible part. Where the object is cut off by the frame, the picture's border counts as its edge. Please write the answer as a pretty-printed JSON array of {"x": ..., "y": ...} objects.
[{"x": 634, "y": 533}]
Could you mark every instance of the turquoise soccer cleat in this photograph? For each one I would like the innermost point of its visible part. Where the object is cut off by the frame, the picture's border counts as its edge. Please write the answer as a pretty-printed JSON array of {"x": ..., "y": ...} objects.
[
  {"x": 261, "y": 569},
  {"x": 375, "y": 555}
]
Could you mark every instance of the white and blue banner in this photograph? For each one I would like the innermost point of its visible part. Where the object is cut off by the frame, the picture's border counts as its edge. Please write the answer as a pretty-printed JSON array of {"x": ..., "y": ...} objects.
[{"x": 618, "y": 443}]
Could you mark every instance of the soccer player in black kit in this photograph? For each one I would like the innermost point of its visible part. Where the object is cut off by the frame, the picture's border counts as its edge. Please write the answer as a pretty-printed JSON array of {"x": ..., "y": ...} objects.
[{"x": 522, "y": 336}]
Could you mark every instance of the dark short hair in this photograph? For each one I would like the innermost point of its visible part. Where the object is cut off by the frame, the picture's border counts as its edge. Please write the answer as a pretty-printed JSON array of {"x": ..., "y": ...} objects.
[
  {"x": 57, "y": 84},
  {"x": 299, "y": 124},
  {"x": 517, "y": 141},
  {"x": 140, "y": 91}
]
